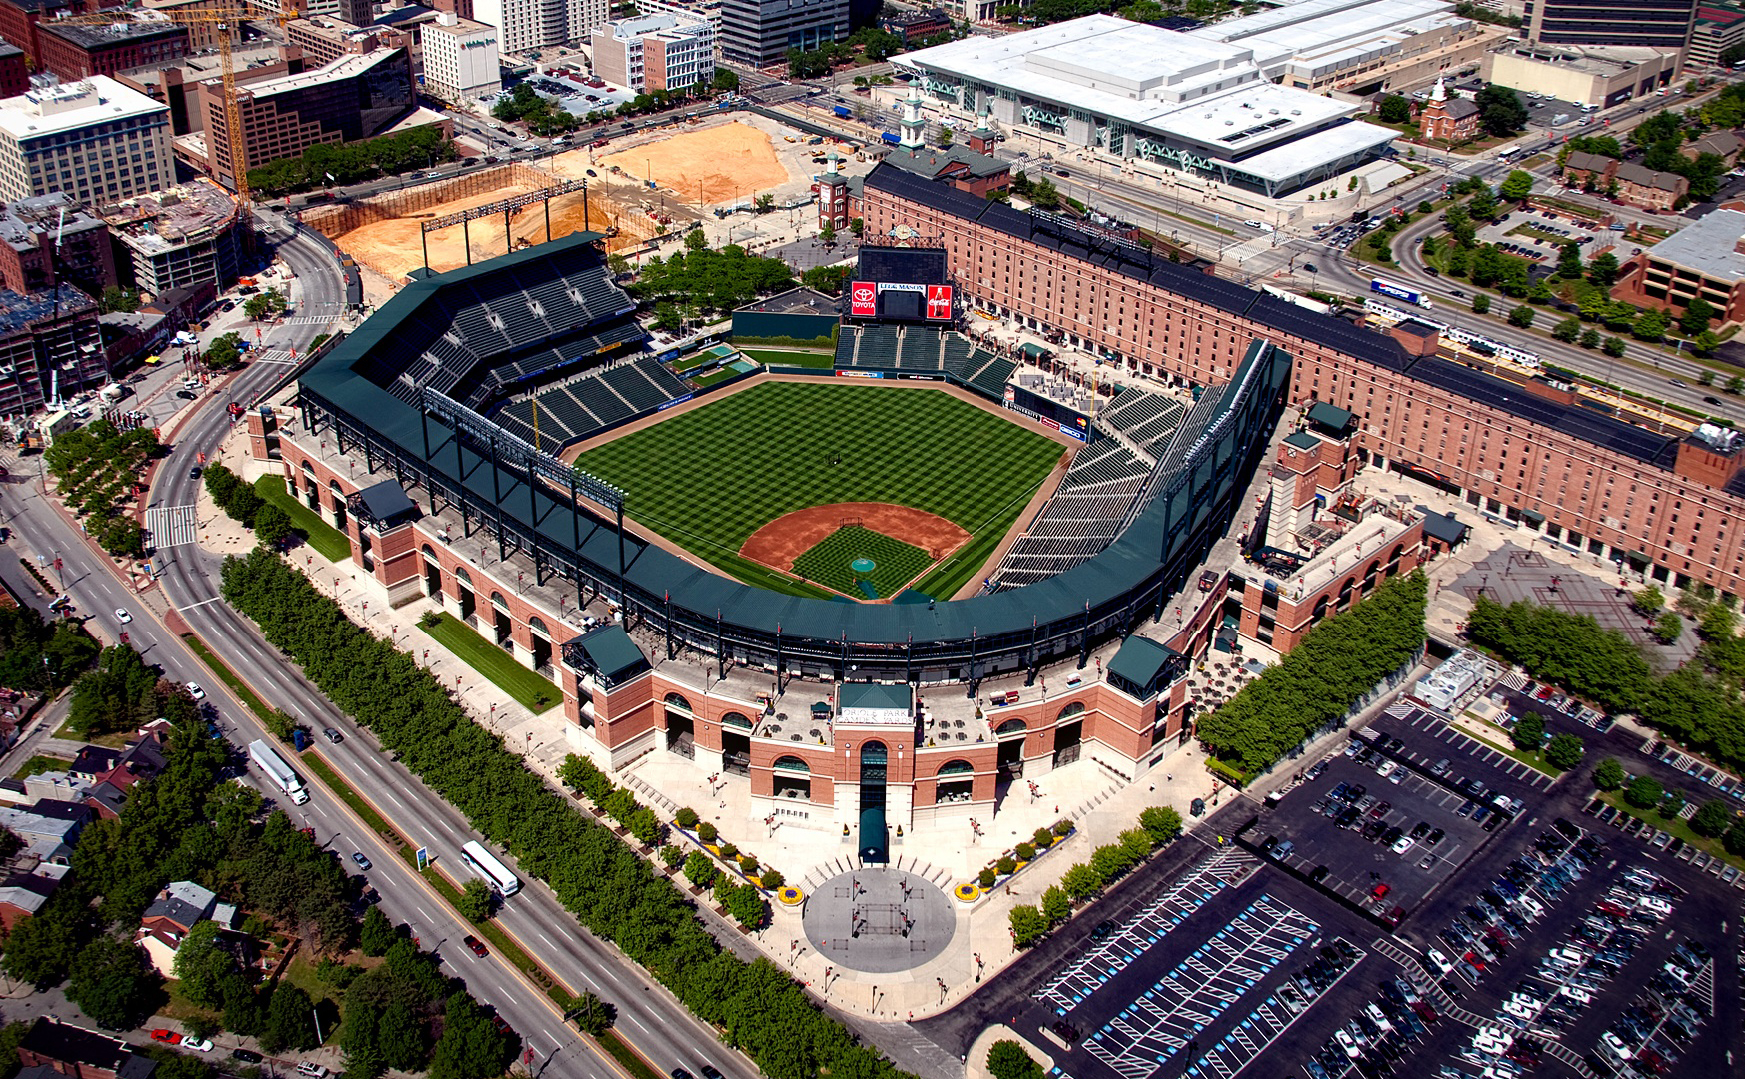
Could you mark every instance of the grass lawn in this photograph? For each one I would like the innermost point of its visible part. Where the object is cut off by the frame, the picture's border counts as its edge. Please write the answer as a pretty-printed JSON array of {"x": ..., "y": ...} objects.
[
  {"x": 39, "y": 764},
  {"x": 329, "y": 542},
  {"x": 713, "y": 377},
  {"x": 710, "y": 478},
  {"x": 528, "y": 687},
  {"x": 896, "y": 563},
  {"x": 113, "y": 740},
  {"x": 824, "y": 361},
  {"x": 1675, "y": 827},
  {"x": 179, "y": 1007}
]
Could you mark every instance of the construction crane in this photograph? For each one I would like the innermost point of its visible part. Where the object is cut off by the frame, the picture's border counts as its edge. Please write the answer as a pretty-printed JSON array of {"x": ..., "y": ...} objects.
[{"x": 228, "y": 16}]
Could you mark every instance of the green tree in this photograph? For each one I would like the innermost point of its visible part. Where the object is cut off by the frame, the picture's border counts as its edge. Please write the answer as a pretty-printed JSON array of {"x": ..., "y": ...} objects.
[
  {"x": 1564, "y": 751},
  {"x": 1590, "y": 338},
  {"x": 290, "y": 1021},
  {"x": 1650, "y": 325},
  {"x": 1696, "y": 317},
  {"x": 1613, "y": 346},
  {"x": 1500, "y": 110},
  {"x": 1027, "y": 924},
  {"x": 1602, "y": 269},
  {"x": 474, "y": 903},
  {"x": 1529, "y": 732},
  {"x": 1521, "y": 316},
  {"x": 1481, "y": 304},
  {"x": 1712, "y": 818},
  {"x": 377, "y": 934},
  {"x": 272, "y": 525},
  {"x": 1394, "y": 109},
  {"x": 1609, "y": 774},
  {"x": 1516, "y": 186},
  {"x": 1008, "y": 1060},
  {"x": 1668, "y": 628},
  {"x": 224, "y": 352},
  {"x": 470, "y": 1044},
  {"x": 115, "y": 298},
  {"x": 112, "y": 983},
  {"x": 699, "y": 870},
  {"x": 1648, "y": 601},
  {"x": 200, "y": 964},
  {"x": 40, "y": 950},
  {"x": 1161, "y": 823},
  {"x": 827, "y": 279},
  {"x": 592, "y": 1015},
  {"x": 1644, "y": 792},
  {"x": 726, "y": 80},
  {"x": 1056, "y": 907},
  {"x": 1705, "y": 343},
  {"x": 1082, "y": 881},
  {"x": 1043, "y": 195},
  {"x": 1734, "y": 840},
  {"x": 1567, "y": 330},
  {"x": 1568, "y": 262},
  {"x": 1483, "y": 204},
  {"x": 119, "y": 694},
  {"x": 1718, "y": 622}
]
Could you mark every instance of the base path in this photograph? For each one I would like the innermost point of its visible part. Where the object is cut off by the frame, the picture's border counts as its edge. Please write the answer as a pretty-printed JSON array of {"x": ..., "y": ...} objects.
[{"x": 791, "y": 535}]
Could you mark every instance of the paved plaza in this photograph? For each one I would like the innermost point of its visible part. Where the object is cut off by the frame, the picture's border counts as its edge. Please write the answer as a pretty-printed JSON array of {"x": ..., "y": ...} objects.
[{"x": 879, "y": 920}]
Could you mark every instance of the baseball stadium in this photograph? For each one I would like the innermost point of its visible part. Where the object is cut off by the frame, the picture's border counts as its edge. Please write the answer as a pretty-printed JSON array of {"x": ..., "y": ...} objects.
[{"x": 500, "y": 441}]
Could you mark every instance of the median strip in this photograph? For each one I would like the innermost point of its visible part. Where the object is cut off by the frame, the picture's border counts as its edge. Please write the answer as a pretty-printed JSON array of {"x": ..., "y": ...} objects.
[{"x": 229, "y": 677}]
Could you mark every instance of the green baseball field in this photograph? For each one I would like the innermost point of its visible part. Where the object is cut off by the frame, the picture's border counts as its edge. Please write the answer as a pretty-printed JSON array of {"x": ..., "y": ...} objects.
[{"x": 708, "y": 479}]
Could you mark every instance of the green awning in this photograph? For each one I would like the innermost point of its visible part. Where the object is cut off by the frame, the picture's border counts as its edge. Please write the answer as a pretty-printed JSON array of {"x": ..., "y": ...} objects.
[
  {"x": 1533, "y": 517},
  {"x": 1032, "y": 351},
  {"x": 875, "y": 836}
]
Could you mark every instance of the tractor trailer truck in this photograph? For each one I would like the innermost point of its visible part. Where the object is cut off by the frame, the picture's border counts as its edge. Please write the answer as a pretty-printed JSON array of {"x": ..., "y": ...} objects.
[{"x": 268, "y": 760}]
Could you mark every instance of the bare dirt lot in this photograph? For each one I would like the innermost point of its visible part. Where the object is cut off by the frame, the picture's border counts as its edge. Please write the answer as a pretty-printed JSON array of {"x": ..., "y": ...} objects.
[
  {"x": 393, "y": 247},
  {"x": 707, "y": 165}
]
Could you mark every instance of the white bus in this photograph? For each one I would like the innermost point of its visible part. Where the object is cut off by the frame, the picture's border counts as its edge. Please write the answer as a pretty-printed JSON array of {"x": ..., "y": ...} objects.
[{"x": 489, "y": 869}]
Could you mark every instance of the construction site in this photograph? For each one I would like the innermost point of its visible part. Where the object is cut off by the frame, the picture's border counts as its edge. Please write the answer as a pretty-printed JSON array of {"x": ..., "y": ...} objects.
[{"x": 386, "y": 232}]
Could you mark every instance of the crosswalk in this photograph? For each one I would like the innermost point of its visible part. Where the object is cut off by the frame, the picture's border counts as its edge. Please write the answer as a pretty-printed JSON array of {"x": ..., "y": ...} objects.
[
  {"x": 273, "y": 355},
  {"x": 171, "y": 526}
]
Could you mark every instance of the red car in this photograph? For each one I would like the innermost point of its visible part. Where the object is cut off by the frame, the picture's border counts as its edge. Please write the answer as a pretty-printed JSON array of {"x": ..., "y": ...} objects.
[
  {"x": 1380, "y": 890},
  {"x": 168, "y": 1037},
  {"x": 476, "y": 945},
  {"x": 1424, "y": 1011}
]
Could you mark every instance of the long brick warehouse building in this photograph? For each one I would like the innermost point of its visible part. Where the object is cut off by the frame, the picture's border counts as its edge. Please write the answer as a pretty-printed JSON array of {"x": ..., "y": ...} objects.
[{"x": 1667, "y": 504}]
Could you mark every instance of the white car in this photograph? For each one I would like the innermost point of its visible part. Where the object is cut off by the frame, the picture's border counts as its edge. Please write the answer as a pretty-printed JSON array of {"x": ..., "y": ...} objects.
[
  {"x": 196, "y": 692},
  {"x": 122, "y": 616},
  {"x": 199, "y": 1045},
  {"x": 1402, "y": 845},
  {"x": 1347, "y": 1043}
]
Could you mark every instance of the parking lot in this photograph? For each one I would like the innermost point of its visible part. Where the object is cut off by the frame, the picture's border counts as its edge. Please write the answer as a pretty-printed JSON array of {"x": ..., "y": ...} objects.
[
  {"x": 1542, "y": 937},
  {"x": 1395, "y": 813}
]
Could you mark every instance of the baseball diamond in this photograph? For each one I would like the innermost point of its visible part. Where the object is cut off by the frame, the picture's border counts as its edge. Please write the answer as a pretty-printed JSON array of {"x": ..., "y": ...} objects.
[
  {"x": 710, "y": 479},
  {"x": 863, "y": 564}
]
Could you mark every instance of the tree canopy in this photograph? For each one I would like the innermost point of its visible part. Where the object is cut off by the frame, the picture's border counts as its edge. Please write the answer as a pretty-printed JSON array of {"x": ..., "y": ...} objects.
[
  {"x": 328, "y": 164},
  {"x": 1317, "y": 682},
  {"x": 712, "y": 280}
]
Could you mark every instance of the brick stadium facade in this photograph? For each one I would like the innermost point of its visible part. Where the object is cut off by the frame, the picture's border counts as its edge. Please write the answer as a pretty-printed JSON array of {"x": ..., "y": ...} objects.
[{"x": 1529, "y": 454}]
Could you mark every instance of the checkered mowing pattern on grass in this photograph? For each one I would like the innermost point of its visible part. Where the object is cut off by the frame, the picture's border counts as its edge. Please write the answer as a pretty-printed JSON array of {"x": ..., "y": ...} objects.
[
  {"x": 895, "y": 563},
  {"x": 711, "y": 477}
]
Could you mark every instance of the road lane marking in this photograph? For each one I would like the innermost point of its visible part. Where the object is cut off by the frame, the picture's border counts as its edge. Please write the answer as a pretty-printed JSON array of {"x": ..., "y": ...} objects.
[
  {"x": 202, "y": 603},
  {"x": 426, "y": 914},
  {"x": 547, "y": 940}
]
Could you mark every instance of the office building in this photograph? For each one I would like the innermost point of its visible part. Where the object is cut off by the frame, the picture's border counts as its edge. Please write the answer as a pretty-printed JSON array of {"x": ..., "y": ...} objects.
[
  {"x": 325, "y": 39},
  {"x": 1175, "y": 102},
  {"x": 96, "y": 140},
  {"x": 1717, "y": 30},
  {"x": 78, "y": 52},
  {"x": 527, "y": 25},
  {"x": 177, "y": 83},
  {"x": 19, "y": 20},
  {"x": 1357, "y": 46},
  {"x": 49, "y": 343},
  {"x": 1704, "y": 259},
  {"x": 355, "y": 97},
  {"x": 357, "y": 12},
  {"x": 461, "y": 62},
  {"x": 759, "y": 33},
  {"x": 50, "y": 239},
  {"x": 655, "y": 52},
  {"x": 181, "y": 238},
  {"x": 1665, "y": 24}
]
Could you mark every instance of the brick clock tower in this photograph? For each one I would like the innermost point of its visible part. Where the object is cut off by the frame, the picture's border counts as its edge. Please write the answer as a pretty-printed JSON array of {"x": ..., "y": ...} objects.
[{"x": 833, "y": 195}]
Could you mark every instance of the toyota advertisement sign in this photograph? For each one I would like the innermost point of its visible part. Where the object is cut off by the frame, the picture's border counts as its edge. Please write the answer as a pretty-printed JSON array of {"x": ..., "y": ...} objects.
[{"x": 863, "y": 299}]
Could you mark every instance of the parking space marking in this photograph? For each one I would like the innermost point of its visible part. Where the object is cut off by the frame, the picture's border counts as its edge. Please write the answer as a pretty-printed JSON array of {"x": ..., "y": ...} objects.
[
  {"x": 1225, "y": 967},
  {"x": 1073, "y": 985}
]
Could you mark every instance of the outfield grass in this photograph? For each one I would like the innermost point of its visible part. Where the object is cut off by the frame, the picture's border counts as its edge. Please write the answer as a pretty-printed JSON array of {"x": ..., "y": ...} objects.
[
  {"x": 785, "y": 358},
  {"x": 710, "y": 478},
  {"x": 896, "y": 563},
  {"x": 528, "y": 687},
  {"x": 328, "y": 541}
]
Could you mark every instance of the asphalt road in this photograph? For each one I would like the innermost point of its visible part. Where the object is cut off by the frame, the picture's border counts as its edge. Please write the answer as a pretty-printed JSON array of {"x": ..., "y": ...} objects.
[{"x": 648, "y": 1016}]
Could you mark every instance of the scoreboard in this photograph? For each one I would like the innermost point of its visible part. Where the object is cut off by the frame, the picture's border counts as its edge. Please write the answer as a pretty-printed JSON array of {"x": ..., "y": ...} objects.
[{"x": 900, "y": 301}]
